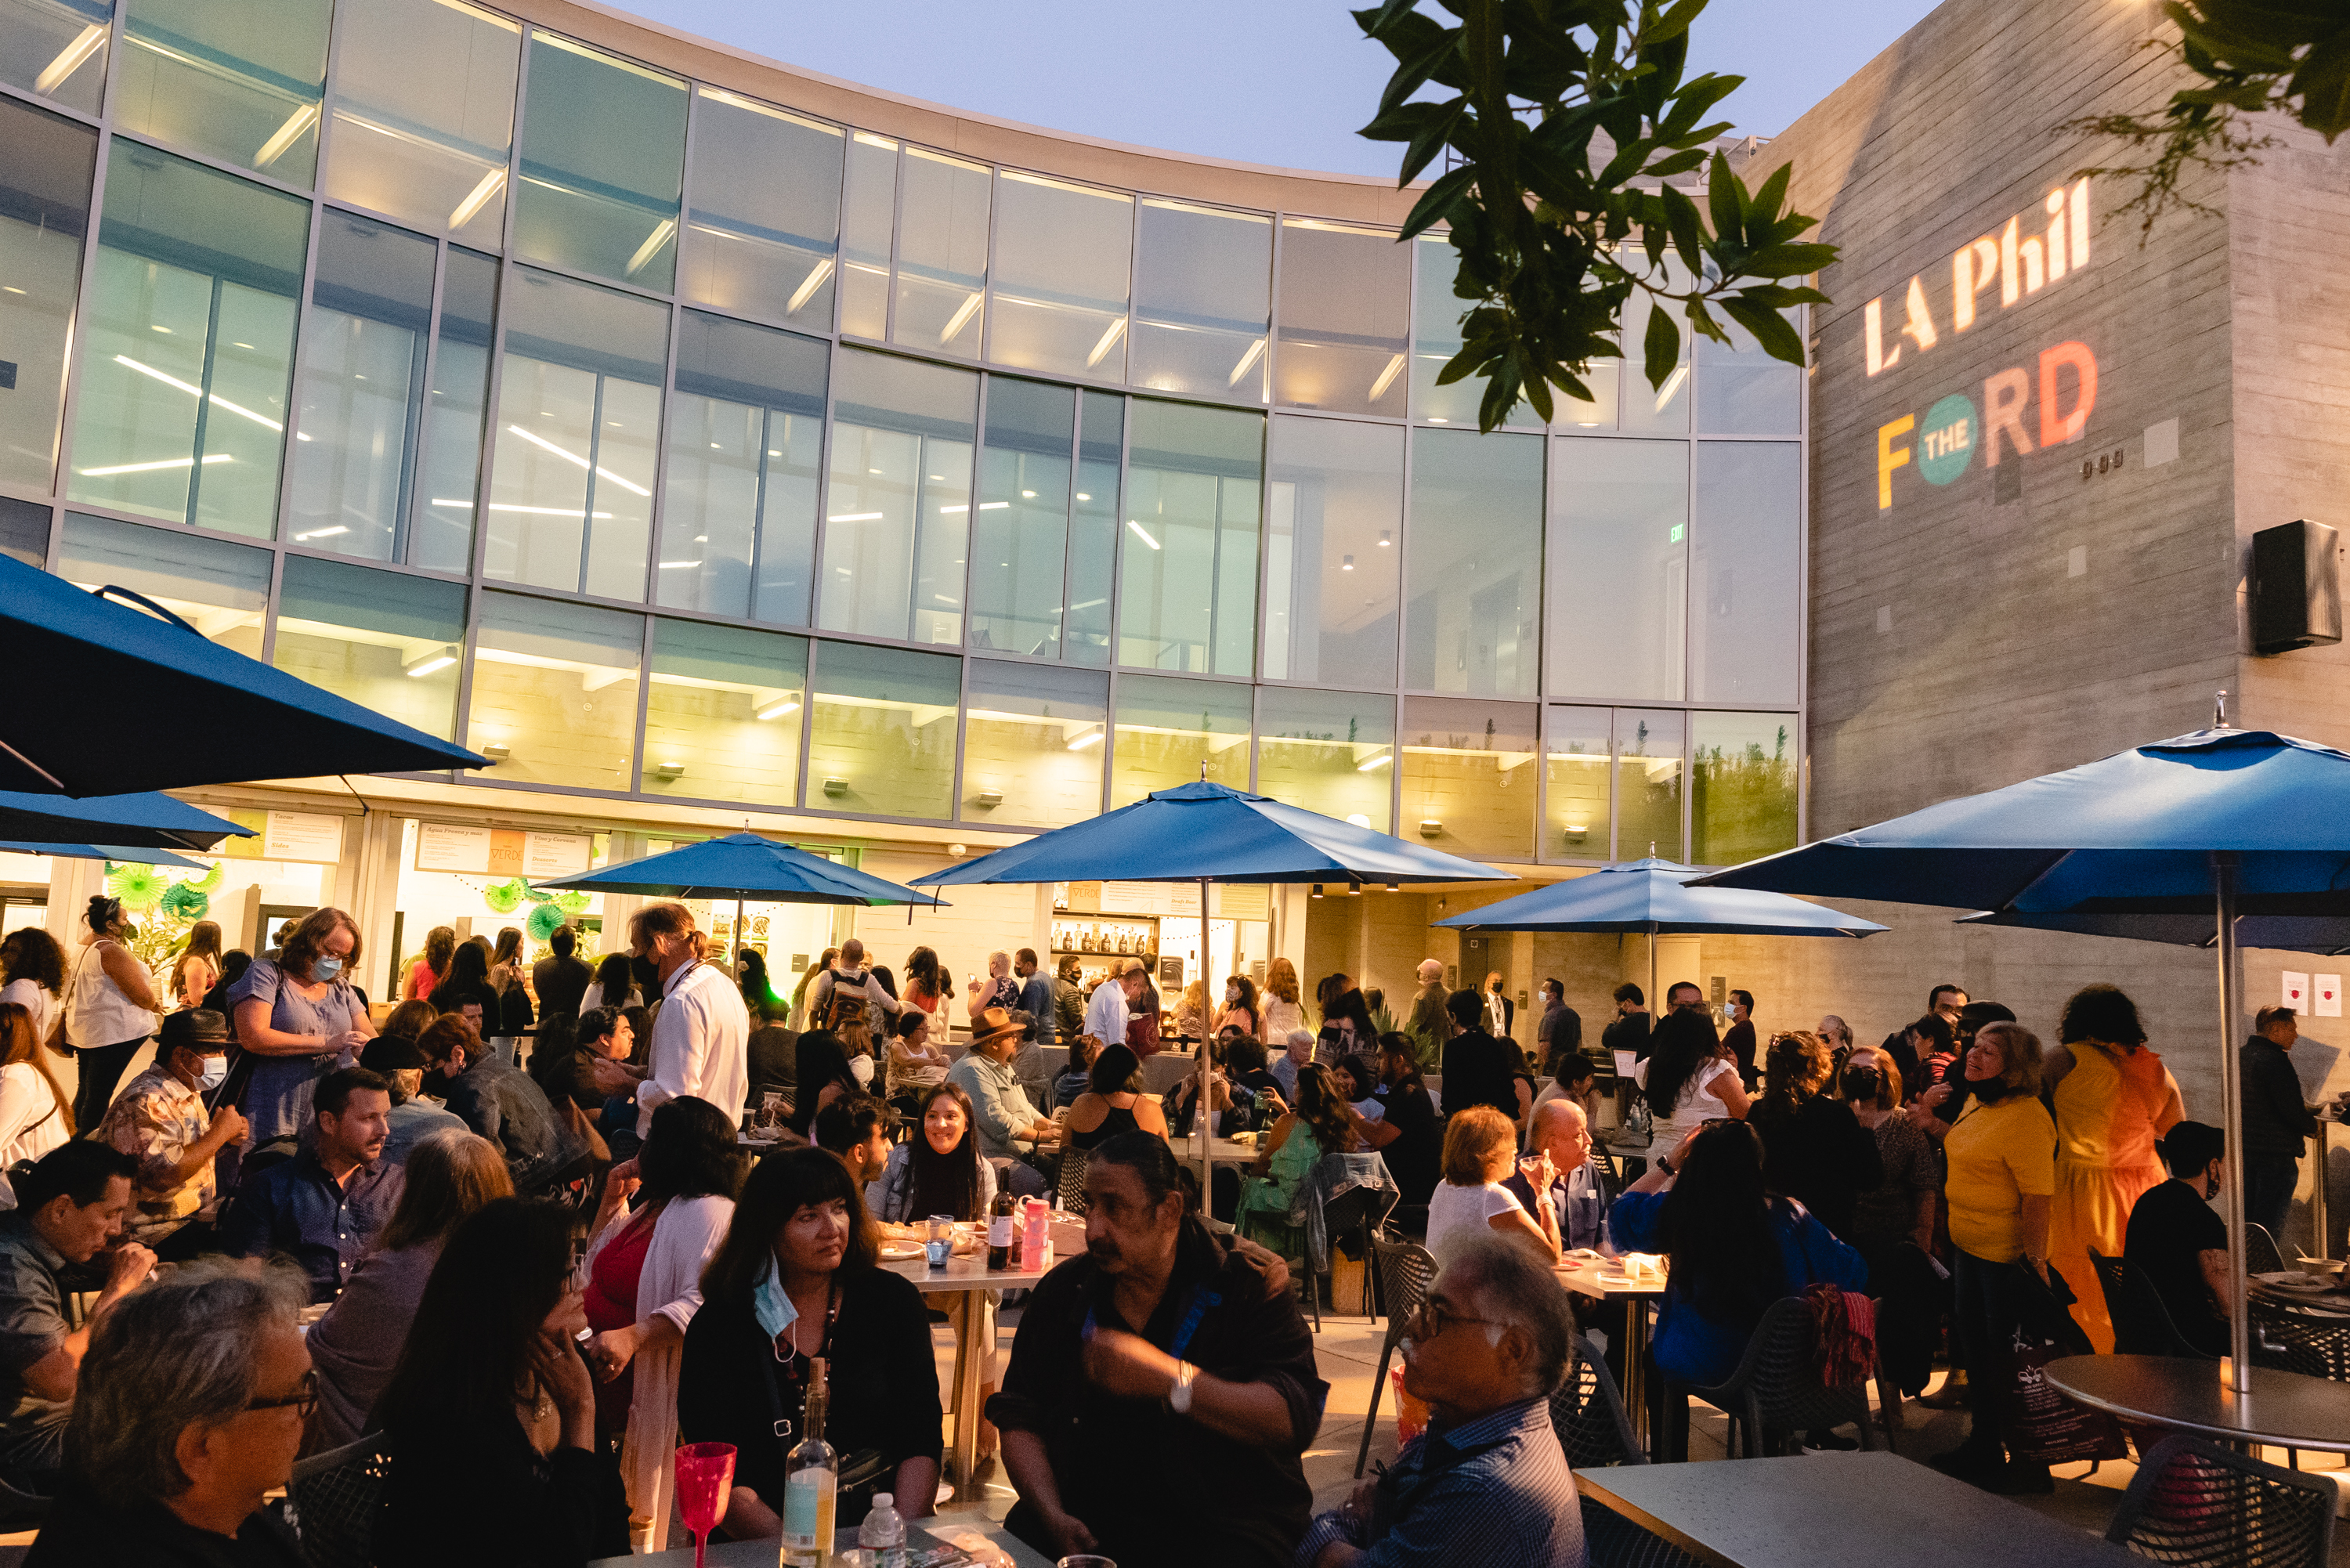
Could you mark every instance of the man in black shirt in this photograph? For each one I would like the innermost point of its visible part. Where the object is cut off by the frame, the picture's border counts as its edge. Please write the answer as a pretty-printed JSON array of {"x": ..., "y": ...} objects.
[
  {"x": 1479, "y": 1070},
  {"x": 1405, "y": 1135},
  {"x": 1162, "y": 1345},
  {"x": 561, "y": 979},
  {"x": 2181, "y": 1245},
  {"x": 1629, "y": 1031},
  {"x": 2276, "y": 1119}
]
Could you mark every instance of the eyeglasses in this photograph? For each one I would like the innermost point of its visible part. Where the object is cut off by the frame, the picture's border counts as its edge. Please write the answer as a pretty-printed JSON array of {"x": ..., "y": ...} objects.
[
  {"x": 1432, "y": 1317},
  {"x": 304, "y": 1399}
]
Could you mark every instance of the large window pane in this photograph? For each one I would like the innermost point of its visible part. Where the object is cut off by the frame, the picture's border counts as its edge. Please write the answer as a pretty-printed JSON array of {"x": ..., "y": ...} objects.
[
  {"x": 1474, "y": 564},
  {"x": 24, "y": 531},
  {"x": 603, "y": 155},
  {"x": 1167, "y": 730},
  {"x": 1649, "y": 783},
  {"x": 423, "y": 113},
  {"x": 1331, "y": 551},
  {"x": 1742, "y": 391},
  {"x": 942, "y": 255},
  {"x": 1742, "y": 786},
  {"x": 723, "y": 714},
  {"x": 745, "y": 428},
  {"x": 221, "y": 589},
  {"x": 868, "y": 220},
  {"x": 579, "y": 430},
  {"x": 884, "y": 742},
  {"x": 56, "y": 48},
  {"x": 1331, "y": 751},
  {"x": 1747, "y": 553},
  {"x": 1345, "y": 306},
  {"x": 449, "y": 464},
  {"x": 1203, "y": 300},
  {"x": 1032, "y": 753},
  {"x": 763, "y": 235},
  {"x": 1188, "y": 587},
  {"x": 1020, "y": 537},
  {"x": 1436, "y": 339},
  {"x": 362, "y": 389},
  {"x": 1468, "y": 782},
  {"x": 1576, "y": 789},
  {"x": 237, "y": 82},
  {"x": 44, "y": 184},
  {"x": 1093, "y": 529},
  {"x": 184, "y": 370},
  {"x": 1063, "y": 254},
  {"x": 554, "y": 691},
  {"x": 1662, "y": 410},
  {"x": 1620, "y": 567},
  {"x": 386, "y": 641},
  {"x": 897, "y": 514}
]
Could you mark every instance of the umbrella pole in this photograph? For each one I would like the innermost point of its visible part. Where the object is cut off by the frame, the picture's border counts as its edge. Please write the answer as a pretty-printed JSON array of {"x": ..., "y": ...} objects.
[
  {"x": 1202, "y": 1115},
  {"x": 2231, "y": 1097}
]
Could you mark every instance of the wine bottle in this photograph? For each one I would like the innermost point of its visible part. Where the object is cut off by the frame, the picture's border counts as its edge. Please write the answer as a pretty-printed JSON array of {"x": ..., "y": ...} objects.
[
  {"x": 811, "y": 1483},
  {"x": 999, "y": 1229}
]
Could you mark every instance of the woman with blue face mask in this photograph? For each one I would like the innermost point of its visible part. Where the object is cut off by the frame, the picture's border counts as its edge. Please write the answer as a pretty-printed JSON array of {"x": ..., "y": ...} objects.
[{"x": 298, "y": 1016}]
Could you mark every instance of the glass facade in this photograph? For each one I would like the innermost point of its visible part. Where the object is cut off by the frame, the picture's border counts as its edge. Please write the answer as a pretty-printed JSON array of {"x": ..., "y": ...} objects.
[{"x": 1106, "y": 486}]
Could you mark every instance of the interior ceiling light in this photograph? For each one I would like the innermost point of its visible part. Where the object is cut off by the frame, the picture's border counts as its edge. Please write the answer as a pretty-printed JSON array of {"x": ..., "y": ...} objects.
[
  {"x": 573, "y": 458},
  {"x": 1255, "y": 352},
  {"x": 70, "y": 59},
  {"x": 1387, "y": 378},
  {"x": 808, "y": 286},
  {"x": 478, "y": 197},
  {"x": 652, "y": 245}
]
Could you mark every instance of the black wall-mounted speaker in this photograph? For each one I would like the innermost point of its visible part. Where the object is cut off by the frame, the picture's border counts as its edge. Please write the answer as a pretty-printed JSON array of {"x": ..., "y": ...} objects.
[{"x": 2296, "y": 587}]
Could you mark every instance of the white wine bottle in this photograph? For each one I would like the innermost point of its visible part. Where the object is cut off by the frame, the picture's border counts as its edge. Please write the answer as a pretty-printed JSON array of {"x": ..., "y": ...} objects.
[{"x": 811, "y": 1482}]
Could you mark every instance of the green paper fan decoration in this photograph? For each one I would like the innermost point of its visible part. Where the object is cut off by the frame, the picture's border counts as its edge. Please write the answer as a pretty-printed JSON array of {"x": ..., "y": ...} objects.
[
  {"x": 137, "y": 885},
  {"x": 186, "y": 901},
  {"x": 544, "y": 918},
  {"x": 210, "y": 882},
  {"x": 503, "y": 897},
  {"x": 572, "y": 902}
]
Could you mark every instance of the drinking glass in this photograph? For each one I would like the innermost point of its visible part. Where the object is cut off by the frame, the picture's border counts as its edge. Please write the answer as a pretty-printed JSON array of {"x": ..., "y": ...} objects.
[
  {"x": 938, "y": 1244},
  {"x": 705, "y": 1479},
  {"x": 1085, "y": 1559}
]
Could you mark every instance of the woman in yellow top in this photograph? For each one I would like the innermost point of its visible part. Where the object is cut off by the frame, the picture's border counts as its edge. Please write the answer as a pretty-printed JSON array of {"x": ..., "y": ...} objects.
[
  {"x": 2114, "y": 1099},
  {"x": 2002, "y": 1176}
]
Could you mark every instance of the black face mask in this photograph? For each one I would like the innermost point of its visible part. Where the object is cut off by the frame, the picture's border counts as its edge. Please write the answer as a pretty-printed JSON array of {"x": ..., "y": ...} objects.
[{"x": 1861, "y": 1083}]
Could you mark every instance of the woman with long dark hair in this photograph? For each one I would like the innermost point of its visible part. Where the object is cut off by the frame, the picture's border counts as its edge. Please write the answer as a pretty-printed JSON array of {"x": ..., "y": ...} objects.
[
  {"x": 1321, "y": 1123},
  {"x": 1687, "y": 1079},
  {"x": 467, "y": 979},
  {"x": 822, "y": 1077},
  {"x": 195, "y": 969},
  {"x": 431, "y": 966},
  {"x": 1114, "y": 1102},
  {"x": 939, "y": 1171},
  {"x": 1240, "y": 1008},
  {"x": 615, "y": 985},
  {"x": 1814, "y": 1149},
  {"x": 33, "y": 967},
  {"x": 489, "y": 1417},
  {"x": 796, "y": 1279},
  {"x": 926, "y": 981},
  {"x": 34, "y": 1115},
  {"x": 1346, "y": 1027},
  {"x": 1733, "y": 1250}
]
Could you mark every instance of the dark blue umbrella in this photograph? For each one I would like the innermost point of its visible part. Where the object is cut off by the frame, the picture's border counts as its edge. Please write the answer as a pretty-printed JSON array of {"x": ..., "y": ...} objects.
[
  {"x": 125, "y": 853},
  {"x": 743, "y": 865},
  {"x": 135, "y": 823},
  {"x": 206, "y": 714},
  {"x": 2325, "y": 935}
]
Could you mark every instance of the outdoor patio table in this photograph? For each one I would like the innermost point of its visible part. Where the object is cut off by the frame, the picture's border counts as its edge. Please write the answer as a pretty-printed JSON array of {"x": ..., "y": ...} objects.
[
  {"x": 762, "y": 1553},
  {"x": 2283, "y": 1410},
  {"x": 965, "y": 1282},
  {"x": 1839, "y": 1511},
  {"x": 1590, "y": 1279}
]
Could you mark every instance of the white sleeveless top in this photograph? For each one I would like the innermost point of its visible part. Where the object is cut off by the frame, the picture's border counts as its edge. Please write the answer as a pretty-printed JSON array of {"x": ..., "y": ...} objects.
[{"x": 96, "y": 1012}]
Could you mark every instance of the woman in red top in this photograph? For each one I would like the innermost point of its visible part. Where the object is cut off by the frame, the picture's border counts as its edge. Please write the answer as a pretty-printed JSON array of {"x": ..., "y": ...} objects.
[
  {"x": 926, "y": 982},
  {"x": 432, "y": 966}
]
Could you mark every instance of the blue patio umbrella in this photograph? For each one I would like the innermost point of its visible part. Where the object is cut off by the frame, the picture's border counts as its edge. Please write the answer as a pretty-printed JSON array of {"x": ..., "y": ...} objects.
[
  {"x": 204, "y": 713},
  {"x": 2325, "y": 935},
  {"x": 133, "y": 823},
  {"x": 120, "y": 852},
  {"x": 1654, "y": 896},
  {"x": 2214, "y": 824}
]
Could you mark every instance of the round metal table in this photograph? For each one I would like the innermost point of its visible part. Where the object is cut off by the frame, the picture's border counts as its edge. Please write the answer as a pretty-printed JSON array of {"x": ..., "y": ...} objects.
[{"x": 2282, "y": 1410}]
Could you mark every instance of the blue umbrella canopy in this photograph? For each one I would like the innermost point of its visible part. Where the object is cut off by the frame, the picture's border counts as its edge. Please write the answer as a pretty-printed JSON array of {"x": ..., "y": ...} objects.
[
  {"x": 1206, "y": 833},
  {"x": 743, "y": 865},
  {"x": 1654, "y": 896},
  {"x": 132, "y": 823},
  {"x": 121, "y": 852},
  {"x": 2327, "y": 935},
  {"x": 207, "y": 714}
]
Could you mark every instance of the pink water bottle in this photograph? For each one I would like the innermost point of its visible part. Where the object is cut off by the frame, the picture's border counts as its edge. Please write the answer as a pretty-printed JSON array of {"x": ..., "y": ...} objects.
[{"x": 1036, "y": 1238}]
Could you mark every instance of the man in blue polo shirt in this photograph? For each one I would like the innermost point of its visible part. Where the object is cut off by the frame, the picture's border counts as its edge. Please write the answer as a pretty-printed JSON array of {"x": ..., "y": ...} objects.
[{"x": 323, "y": 1207}]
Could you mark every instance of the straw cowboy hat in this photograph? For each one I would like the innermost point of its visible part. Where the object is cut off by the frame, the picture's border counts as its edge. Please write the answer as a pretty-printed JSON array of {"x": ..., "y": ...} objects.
[{"x": 997, "y": 1024}]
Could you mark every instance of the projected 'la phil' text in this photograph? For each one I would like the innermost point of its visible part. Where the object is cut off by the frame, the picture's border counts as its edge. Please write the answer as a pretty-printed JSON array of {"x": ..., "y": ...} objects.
[{"x": 2020, "y": 263}]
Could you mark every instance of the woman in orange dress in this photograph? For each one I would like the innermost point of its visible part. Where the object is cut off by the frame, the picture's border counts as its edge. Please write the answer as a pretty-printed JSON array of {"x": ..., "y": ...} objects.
[{"x": 2113, "y": 1099}]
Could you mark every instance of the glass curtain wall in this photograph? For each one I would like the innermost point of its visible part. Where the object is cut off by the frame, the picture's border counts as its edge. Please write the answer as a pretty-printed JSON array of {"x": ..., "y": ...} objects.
[
  {"x": 942, "y": 255},
  {"x": 1331, "y": 751},
  {"x": 1188, "y": 584},
  {"x": 1746, "y": 552},
  {"x": 603, "y": 165},
  {"x": 386, "y": 641},
  {"x": 241, "y": 83},
  {"x": 1203, "y": 300},
  {"x": 1093, "y": 529},
  {"x": 220, "y": 588},
  {"x": 1333, "y": 551},
  {"x": 1020, "y": 534},
  {"x": 1474, "y": 561},
  {"x": 44, "y": 190},
  {"x": 361, "y": 388},
  {"x": 578, "y": 435},
  {"x": 1619, "y": 554},
  {"x": 1657, "y": 411},
  {"x": 554, "y": 692},
  {"x": 1741, "y": 785},
  {"x": 1063, "y": 255},
  {"x": 1346, "y": 309},
  {"x": 723, "y": 712},
  {"x": 449, "y": 465},
  {"x": 1468, "y": 786},
  {"x": 56, "y": 48},
  {"x": 898, "y": 508},
  {"x": 1648, "y": 771},
  {"x": 1167, "y": 730},
  {"x": 1575, "y": 807},
  {"x": 745, "y": 438},
  {"x": 1742, "y": 391},
  {"x": 868, "y": 223},
  {"x": 185, "y": 366},
  {"x": 1436, "y": 339},
  {"x": 423, "y": 115},
  {"x": 884, "y": 738},
  {"x": 764, "y": 235},
  {"x": 25, "y": 532},
  {"x": 1032, "y": 753}
]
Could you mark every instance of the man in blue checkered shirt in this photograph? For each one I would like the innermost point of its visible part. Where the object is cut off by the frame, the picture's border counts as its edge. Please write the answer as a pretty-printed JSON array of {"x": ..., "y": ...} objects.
[{"x": 1488, "y": 1483}]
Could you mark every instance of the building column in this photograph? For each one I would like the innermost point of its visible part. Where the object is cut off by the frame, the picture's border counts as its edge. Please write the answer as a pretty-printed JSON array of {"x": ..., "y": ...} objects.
[
  {"x": 366, "y": 889},
  {"x": 619, "y": 907},
  {"x": 72, "y": 884}
]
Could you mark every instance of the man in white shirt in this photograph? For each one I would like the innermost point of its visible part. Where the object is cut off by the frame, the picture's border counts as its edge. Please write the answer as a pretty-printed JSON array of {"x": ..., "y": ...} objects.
[
  {"x": 1111, "y": 1005},
  {"x": 701, "y": 1034}
]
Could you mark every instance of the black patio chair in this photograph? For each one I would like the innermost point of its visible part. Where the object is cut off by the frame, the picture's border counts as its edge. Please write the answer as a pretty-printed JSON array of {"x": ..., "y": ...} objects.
[
  {"x": 2197, "y": 1503},
  {"x": 1406, "y": 1270},
  {"x": 1776, "y": 1391},
  {"x": 333, "y": 1497},
  {"x": 2142, "y": 1324}
]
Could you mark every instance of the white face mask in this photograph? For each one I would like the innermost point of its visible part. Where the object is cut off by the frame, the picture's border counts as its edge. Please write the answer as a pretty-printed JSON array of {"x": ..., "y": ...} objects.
[{"x": 215, "y": 1073}]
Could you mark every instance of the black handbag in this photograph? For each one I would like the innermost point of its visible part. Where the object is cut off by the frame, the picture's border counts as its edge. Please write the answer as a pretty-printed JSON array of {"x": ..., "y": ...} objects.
[{"x": 862, "y": 1473}]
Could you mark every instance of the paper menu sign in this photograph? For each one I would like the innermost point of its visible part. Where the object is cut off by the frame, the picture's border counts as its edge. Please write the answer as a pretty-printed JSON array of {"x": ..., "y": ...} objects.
[
  {"x": 2313, "y": 1063},
  {"x": 2297, "y": 990},
  {"x": 2325, "y": 995}
]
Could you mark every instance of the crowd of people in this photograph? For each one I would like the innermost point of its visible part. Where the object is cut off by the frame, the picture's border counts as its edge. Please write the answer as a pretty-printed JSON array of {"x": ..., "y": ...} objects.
[{"x": 521, "y": 1276}]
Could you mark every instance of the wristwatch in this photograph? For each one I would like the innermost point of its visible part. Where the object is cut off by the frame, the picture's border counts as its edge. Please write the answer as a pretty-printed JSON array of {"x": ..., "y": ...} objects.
[
  {"x": 1178, "y": 1399},
  {"x": 1665, "y": 1164}
]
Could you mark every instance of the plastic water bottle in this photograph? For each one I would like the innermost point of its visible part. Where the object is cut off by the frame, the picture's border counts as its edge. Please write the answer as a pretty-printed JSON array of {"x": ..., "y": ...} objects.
[{"x": 883, "y": 1533}]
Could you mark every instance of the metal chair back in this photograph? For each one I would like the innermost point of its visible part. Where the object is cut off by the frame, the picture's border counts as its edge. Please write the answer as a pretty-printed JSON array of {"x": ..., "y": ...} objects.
[
  {"x": 334, "y": 1497},
  {"x": 2197, "y": 1503},
  {"x": 1406, "y": 1270},
  {"x": 1588, "y": 1414},
  {"x": 1073, "y": 1178},
  {"x": 2142, "y": 1324},
  {"x": 2301, "y": 1341},
  {"x": 1776, "y": 1389},
  {"x": 2262, "y": 1255}
]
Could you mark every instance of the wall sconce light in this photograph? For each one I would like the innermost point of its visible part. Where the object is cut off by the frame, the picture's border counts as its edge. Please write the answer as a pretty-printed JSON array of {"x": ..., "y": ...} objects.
[
  {"x": 1395, "y": 887},
  {"x": 1430, "y": 827},
  {"x": 1575, "y": 832},
  {"x": 669, "y": 773},
  {"x": 1317, "y": 890},
  {"x": 835, "y": 788},
  {"x": 496, "y": 753},
  {"x": 957, "y": 850},
  {"x": 425, "y": 664},
  {"x": 1354, "y": 889},
  {"x": 989, "y": 799},
  {"x": 789, "y": 704}
]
